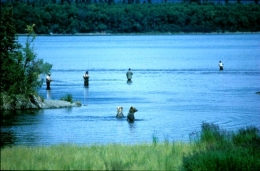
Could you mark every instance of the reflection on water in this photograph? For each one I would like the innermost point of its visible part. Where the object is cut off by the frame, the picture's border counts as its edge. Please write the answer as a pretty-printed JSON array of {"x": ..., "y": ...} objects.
[
  {"x": 85, "y": 96},
  {"x": 48, "y": 94},
  {"x": 132, "y": 126},
  {"x": 129, "y": 82},
  {"x": 7, "y": 138},
  {"x": 11, "y": 119}
]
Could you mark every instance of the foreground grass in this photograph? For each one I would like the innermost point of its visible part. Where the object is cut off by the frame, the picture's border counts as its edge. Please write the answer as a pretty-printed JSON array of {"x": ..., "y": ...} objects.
[
  {"x": 222, "y": 150},
  {"x": 163, "y": 156},
  {"x": 211, "y": 149}
]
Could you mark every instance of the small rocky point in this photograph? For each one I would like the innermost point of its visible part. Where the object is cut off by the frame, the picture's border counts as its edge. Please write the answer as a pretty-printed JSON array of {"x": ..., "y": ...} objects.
[{"x": 33, "y": 102}]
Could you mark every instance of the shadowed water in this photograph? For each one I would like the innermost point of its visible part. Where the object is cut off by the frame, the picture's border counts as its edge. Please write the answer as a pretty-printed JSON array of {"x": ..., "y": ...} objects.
[{"x": 176, "y": 86}]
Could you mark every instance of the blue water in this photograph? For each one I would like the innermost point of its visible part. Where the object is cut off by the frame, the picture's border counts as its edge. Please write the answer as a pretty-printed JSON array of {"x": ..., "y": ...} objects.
[{"x": 176, "y": 86}]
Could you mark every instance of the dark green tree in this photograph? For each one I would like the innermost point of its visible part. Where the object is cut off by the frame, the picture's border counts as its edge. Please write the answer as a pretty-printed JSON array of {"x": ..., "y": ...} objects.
[
  {"x": 20, "y": 69},
  {"x": 9, "y": 48}
]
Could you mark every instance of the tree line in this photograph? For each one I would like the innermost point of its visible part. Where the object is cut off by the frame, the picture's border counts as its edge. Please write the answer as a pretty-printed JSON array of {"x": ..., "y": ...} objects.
[{"x": 73, "y": 18}]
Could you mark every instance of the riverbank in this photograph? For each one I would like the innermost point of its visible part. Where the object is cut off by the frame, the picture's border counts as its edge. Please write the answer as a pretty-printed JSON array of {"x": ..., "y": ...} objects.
[{"x": 18, "y": 102}]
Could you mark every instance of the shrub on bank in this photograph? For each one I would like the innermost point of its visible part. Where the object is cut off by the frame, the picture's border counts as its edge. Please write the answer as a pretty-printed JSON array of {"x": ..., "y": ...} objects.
[
  {"x": 67, "y": 97},
  {"x": 225, "y": 151}
]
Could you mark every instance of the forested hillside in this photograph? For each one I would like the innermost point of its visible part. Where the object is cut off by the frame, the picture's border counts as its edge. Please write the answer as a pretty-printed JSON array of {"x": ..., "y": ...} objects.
[{"x": 135, "y": 18}]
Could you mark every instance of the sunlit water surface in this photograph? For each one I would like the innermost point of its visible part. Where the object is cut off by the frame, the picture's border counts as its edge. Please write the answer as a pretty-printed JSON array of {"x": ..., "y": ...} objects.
[{"x": 176, "y": 86}]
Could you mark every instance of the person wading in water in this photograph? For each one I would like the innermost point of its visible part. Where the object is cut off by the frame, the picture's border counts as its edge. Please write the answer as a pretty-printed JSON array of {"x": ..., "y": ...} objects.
[
  {"x": 129, "y": 74},
  {"x": 221, "y": 65},
  {"x": 86, "y": 77},
  {"x": 48, "y": 81}
]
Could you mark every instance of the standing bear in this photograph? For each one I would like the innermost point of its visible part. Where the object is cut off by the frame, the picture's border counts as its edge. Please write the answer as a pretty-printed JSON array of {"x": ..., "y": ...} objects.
[{"x": 130, "y": 115}]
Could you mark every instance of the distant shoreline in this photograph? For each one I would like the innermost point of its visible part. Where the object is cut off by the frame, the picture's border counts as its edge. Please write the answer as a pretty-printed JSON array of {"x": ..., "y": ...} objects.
[{"x": 137, "y": 34}]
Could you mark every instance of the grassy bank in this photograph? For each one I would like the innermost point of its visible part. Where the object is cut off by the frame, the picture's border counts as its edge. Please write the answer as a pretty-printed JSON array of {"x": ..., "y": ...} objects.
[
  {"x": 211, "y": 149},
  {"x": 97, "y": 157}
]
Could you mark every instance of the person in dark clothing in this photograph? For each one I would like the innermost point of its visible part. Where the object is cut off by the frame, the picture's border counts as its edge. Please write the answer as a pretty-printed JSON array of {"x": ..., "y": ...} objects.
[
  {"x": 129, "y": 74},
  {"x": 86, "y": 77}
]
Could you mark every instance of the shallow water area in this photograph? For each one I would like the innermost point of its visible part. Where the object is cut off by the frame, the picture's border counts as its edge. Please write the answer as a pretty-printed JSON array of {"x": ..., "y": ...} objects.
[{"x": 175, "y": 87}]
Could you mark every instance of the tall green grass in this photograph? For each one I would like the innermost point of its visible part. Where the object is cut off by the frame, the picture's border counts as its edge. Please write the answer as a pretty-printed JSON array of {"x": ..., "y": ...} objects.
[
  {"x": 67, "y": 97},
  {"x": 222, "y": 150},
  {"x": 212, "y": 149},
  {"x": 163, "y": 156}
]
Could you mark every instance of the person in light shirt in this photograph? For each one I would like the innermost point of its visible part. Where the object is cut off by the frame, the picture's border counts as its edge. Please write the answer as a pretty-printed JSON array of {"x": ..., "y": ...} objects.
[
  {"x": 48, "y": 81},
  {"x": 221, "y": 65}
]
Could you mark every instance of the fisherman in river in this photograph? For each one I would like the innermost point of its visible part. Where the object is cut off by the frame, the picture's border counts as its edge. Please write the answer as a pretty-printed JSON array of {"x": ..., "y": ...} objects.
[
  {"x": 221, "y": 65},
  {"x": 48, "y": 81},
  {"x": 86, "y": 77},
  {"x": 129, "y": 74}
]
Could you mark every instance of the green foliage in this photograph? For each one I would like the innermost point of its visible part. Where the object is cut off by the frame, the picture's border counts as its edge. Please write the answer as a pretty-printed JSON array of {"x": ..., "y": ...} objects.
[
  {"x": 155, "y": 139},
  {"x": 9, "y": 48},
  {"x": 212, "y": 135},
  {"x": 248, "y": 137},
  {"x": 222, "y": 159},
  {"x": 136, "y": 18},
  {"x": 20, "y": 69},
  {"x": 67, "y": 97},
  {"x": 225, "y": 151}
]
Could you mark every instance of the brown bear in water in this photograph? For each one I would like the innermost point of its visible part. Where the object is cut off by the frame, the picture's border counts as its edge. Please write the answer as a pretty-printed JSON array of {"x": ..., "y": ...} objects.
[
  {"x": 120, "y": 112},
  {"x": 131, "y": 116}
]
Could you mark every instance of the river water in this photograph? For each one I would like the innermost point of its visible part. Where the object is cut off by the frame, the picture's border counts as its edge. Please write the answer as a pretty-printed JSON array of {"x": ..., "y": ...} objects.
[{"x": 176, "y": 86}]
